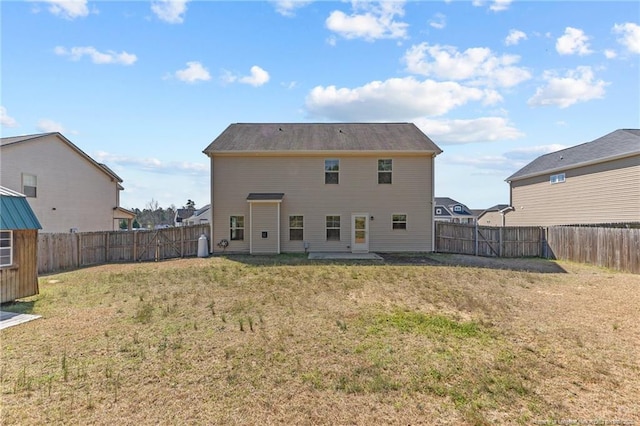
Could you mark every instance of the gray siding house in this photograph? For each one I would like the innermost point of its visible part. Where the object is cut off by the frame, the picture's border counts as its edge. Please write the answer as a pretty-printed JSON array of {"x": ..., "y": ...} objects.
[
  {"x": 595, "y": 182},
  {"x": 340, "y": 187}
]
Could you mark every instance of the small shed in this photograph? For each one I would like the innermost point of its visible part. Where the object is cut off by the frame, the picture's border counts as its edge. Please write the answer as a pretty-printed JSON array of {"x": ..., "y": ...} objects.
[{"x": 18, "y": 247}]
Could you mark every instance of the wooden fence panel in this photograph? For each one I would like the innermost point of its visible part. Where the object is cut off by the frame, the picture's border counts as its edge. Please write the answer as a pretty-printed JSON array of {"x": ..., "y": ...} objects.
[
  {"x": 57, "y": 252},
  {"x": 489, "y": 241},
  {"x": 615, "y": 248}
]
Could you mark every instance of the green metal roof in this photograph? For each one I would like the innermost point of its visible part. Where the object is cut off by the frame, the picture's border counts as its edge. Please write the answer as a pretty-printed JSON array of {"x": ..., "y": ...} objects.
[{"x": 15, "y": 211}]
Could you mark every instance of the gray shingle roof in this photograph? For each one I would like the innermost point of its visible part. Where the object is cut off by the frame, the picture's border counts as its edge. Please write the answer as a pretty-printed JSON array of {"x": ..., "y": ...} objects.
[
  {"x": 265, "y": 137},
  {"x": 618, "y": 144}
]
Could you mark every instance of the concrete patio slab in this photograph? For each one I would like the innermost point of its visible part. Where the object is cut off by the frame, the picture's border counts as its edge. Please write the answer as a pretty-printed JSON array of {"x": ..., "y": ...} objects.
[
  {"x": 9, "y": 319},
  {"x": 344, "y": 256}
]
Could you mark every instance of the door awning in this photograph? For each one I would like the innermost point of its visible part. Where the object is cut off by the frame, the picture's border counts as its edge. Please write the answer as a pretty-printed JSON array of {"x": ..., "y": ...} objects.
[{"x": 265, "y": 196}]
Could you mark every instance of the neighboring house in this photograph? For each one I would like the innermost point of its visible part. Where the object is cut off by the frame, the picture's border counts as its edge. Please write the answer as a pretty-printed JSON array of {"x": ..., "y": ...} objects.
[
  {"x": 339, "y": 187},
  {"x": 18, "y": 247},
  {"x": 449, "y": 210},
  {"x": 67, "y": 189},
  {"x": 595, "y": 182},
  {"x": 493, "y": 216},
  {"x": 201, "y": 215},
  {"x": 181, "y": 215}
]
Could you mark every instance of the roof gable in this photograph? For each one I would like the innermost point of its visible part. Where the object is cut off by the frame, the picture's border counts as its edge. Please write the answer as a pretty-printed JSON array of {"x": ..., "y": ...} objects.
[
  {"x": 21, "y": 139},
  {"x": 301, "y": 137},
  {"x": 618, "y": 144}
]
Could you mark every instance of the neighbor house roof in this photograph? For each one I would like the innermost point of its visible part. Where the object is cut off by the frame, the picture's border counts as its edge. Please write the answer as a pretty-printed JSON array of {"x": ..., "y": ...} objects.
[
  {"x": 301, "y": 137},
  {"x": 618, "y": 144},
  {"x": 448, "y": 204},
  {"x": 21, "y": 139},
  {"x": 15, "y": 212}
]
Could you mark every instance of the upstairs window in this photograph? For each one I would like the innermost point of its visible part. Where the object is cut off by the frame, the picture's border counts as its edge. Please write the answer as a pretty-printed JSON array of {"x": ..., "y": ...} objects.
[
  {"x": 559, "y": 178},
  {"x": 399, "y": 221},
  {"x": 331, "y": 171},
  {"x": 6, "y": 248},
  {"x": 237, "y": 228},
  {"x": 384, "y": 171},
  {"x": 333, "y": 228},
  {"x": 296, "y": 228},
  {"x": 29, "y": 185},
  {"x": 457, "y": 209}
]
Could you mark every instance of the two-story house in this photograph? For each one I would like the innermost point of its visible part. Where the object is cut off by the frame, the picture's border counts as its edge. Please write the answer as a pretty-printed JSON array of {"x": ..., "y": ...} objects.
[
  {"x": 339, "y": 187},
  {"x": 449, "y": 210},
  {"x": 591, "y": 183},
  {"x": 67, "y": 189}
]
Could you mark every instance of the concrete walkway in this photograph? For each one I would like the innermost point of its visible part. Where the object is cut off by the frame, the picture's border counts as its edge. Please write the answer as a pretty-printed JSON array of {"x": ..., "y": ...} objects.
[
  {"x": 9, "y": 319},
  {"x": 344, "y": 256}
]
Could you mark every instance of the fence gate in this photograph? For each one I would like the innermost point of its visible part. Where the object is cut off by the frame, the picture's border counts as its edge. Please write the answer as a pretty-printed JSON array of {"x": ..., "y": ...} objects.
[{"x": 489, "y": 241}]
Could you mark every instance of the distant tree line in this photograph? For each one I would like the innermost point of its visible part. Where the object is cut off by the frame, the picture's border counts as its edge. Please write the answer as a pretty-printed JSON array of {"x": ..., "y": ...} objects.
[{"x": 153, "y": 215}]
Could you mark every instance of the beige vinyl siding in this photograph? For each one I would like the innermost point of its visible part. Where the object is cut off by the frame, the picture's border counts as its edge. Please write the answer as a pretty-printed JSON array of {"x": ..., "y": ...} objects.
[
  {"x": 263, "y": 218},
  {"x": 602, "y": 193},
  {"x": 72, "y": 192},
  {"x": 491, "y": 219},
  {"x": 301, "y": 179}
]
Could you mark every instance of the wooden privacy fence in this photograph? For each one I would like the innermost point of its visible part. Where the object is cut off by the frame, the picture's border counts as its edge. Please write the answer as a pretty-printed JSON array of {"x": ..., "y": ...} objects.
[
  {"x": 510, "y": 241},
  {"x": 615, "y": 248},
  {"x": 57, "y": 252}
]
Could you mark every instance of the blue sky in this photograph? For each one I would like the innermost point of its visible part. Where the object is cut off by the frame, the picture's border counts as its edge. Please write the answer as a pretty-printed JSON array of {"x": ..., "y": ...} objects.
[{"x": 145, "y": 86}]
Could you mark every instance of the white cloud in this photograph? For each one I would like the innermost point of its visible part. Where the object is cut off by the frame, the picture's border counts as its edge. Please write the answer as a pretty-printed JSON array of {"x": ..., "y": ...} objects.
[
  {"x": 610, "y": 54},
  {"x": 68, "y": 9},
  {"x": 369, "y": 21},
  {"x": 574, "y": 41},
  {"x": 395, "y": 99},
  {"x": 503, "y": 163},
  {"x": 288, "y": 7},
  {"x": 514, "y": 37},
  {"x": 97, "y": 57},
  {"x": 257, "y": 78},
  {"x": 484, "y": 129},
  {"x": 5, "y": 119},
  {"x": 500, "y": 5},
  {"x": 171, "y": 11},
  {"x": 439, "y": 21},
  {"x": 46, "y": 125},
  {"x": 630, "y": 36},
  {"x": 496, "y": 5},
  {"x": 478, "y": 65},
  {"x": 577, "y": 85},
  {"x": 151, "y": 164},
  {"x": 193, "y": 73}
]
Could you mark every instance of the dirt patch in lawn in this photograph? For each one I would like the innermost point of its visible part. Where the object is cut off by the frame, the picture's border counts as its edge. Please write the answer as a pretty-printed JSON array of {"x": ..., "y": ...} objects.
[{"x": 438, "y": 339}]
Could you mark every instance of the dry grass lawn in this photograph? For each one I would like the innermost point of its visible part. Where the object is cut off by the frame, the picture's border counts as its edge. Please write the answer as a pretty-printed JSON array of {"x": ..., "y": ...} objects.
[{"x": 438, "y": 340}]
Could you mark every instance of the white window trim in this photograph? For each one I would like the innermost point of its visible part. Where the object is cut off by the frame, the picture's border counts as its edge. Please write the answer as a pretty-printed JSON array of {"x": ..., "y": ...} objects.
[
  {"x": 384, "y": 171},
  {"x": 337, "y": 172},
  {"x": 244, "y": 226},
  {"x": 557, "y": 178},
  {"x": 326, "y": 228},
  {"x": 302, "y": 228},
  {"x": 10, "y": 249},
  {"x": 35, "y": 178},
  {"x": 406, "y": 221}
]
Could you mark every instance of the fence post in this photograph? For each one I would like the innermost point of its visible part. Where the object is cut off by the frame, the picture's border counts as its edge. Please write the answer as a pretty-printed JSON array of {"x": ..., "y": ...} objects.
[
  {"x": 79, "y": 245},
  {"x": 476, "y": 239},
  {"x": 500, "y": 236}
]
